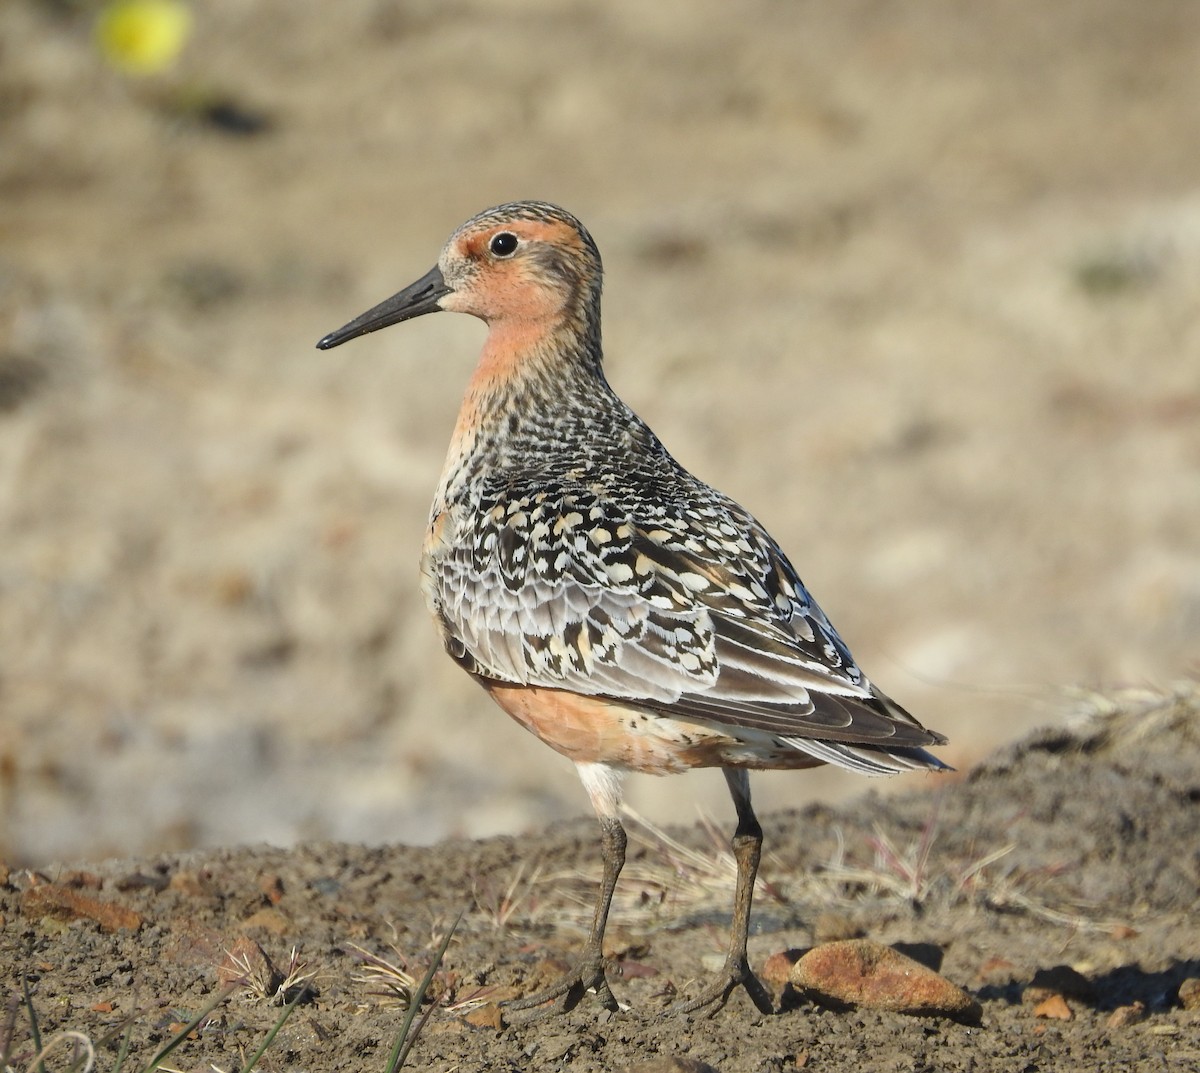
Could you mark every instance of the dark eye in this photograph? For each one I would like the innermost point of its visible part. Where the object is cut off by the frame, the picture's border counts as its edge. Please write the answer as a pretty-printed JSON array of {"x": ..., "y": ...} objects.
[{"x": 503, "y": 244}]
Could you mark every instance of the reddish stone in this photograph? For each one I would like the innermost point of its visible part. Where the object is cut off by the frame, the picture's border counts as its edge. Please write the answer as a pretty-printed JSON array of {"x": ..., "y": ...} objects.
[
  {"x": 51, "y": 900},
  {"x": 1132, "y": 1014},
  {"x": 272, "y": 888},
  {"x": 859, "y": 972},
  {"x": 1189, "y": 993},
  {"x": 777, "y": 969},
  {"x": 1054, "y": 1008}
]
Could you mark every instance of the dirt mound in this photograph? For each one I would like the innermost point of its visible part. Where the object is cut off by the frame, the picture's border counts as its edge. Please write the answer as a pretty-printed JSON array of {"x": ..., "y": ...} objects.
[
  {"x": 918, "y": 283},
  {"x": 1058, "y": 884}
]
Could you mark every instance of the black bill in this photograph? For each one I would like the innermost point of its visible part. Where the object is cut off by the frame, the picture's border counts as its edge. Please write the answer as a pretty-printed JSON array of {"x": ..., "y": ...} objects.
[{"x": 415, "y": 300}]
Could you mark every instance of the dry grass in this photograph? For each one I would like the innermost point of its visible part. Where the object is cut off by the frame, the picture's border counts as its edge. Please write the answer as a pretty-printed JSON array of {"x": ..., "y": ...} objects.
[
  {"x": 263, "y": 982},
  {"x": 389, "y": 981},
  {"x": 675, "y": 882}
]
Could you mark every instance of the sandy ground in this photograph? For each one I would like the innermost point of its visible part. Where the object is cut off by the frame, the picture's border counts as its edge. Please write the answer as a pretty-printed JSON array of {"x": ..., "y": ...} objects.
[
  {"x": 916, "y": 282},
  {"x": 1071, "y": 854}
]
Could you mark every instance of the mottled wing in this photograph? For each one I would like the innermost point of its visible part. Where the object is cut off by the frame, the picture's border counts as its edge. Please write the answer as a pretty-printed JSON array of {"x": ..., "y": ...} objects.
[
  {"x": 697, "y": 615},
  {"x": 547, "y": 590}
]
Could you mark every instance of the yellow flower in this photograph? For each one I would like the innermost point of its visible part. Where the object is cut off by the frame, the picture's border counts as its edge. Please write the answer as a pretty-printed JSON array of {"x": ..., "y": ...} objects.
[{"x": 142, "y": 37}]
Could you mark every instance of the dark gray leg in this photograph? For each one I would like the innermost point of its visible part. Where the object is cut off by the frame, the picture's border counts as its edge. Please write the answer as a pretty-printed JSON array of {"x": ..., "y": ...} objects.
[
  {"x": 747, "y": 849},
  {"x": 588, "y": 972}
]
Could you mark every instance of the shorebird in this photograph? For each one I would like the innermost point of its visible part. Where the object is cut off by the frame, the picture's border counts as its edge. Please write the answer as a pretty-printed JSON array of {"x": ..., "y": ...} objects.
[{"x": 629, "y": 615}]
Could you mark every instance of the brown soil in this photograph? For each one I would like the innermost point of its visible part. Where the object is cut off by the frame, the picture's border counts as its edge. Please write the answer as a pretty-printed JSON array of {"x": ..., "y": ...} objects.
[
  {"x": 917, "y": 282},
  {"x": 1099, "y": 873}
]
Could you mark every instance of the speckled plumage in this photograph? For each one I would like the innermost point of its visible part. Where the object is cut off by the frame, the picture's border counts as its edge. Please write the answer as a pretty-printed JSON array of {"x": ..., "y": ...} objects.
[{"x": 629, "y": 614}]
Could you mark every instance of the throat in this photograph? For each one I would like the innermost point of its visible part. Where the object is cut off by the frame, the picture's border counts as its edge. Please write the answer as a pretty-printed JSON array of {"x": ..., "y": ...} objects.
[
  {"x": 526, "y": 375},
  {"x": 513, "y": 349}
]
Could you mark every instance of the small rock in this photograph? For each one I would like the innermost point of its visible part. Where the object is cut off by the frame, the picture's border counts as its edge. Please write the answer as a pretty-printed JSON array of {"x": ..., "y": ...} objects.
[
  {"x": 27, "y": 877},
  {"x": 60, "y": 903},
  {"x": 272, "y": 888},
  {"x": 486, "y": 1016},
  {"x": 1060, "y": 980},
  {"x": 1053, "y": 1008},
  {"x": 859, "y": 972},
  {"x": 247, "y": 965},
  {"x": 777, "y": 969},
  {"x": 1127, "y": 1015},
  {"x": 1189, "y": 993}
]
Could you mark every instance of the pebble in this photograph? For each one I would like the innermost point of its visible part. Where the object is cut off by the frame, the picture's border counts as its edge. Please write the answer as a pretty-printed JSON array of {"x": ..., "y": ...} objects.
[
  {"x": 1189, "y": 993},
  {"x": 1127, "y": 1015},
  {"x": 776, "y": 971},
  {"x": 860, "y": 972},
  {"x": 62, "y": 903},
  {"x": 488, "y": 1015},
  {"x": 247, "y": 964},
  {"x": 1054, "y": 1008},
  {"x": 271, "y": 887}
]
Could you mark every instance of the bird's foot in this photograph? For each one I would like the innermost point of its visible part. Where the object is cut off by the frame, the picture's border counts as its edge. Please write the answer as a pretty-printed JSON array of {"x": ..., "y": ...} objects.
[
  {"x": 568, "y": 990},
  {"x": 735, "y": 973}
]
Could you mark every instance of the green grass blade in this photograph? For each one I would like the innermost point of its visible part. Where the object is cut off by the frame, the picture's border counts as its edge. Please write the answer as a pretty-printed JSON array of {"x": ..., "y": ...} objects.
[
  {"x": 125, "y": 1041},
  {"x": 405, "y": 1041},
  {"x": 279, "y": 1023},
  {"x": 35, "y": 1034},
  {"x": 191, "y": 1026},
  {"x": 85, "y": 1056},
  {"x": 9, "y": 1032}
]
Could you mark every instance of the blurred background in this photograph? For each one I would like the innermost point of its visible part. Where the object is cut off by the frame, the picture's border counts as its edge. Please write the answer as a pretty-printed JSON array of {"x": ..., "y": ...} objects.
[{"x": 918, "y": 282}]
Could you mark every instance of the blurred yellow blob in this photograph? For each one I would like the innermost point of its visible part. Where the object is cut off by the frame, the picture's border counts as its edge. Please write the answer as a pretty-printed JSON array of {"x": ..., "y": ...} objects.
[{"x": 143, "y": 37}]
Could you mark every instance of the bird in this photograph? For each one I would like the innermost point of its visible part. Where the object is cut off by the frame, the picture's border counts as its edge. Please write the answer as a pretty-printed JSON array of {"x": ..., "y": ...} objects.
[{"x": 628, "y": 614}]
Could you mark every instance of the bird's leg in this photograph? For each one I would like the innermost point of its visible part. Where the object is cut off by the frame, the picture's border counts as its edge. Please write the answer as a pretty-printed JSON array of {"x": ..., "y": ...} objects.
[
  {"x": 588, "y": 974},
  {"x": 747, "y": 849}
]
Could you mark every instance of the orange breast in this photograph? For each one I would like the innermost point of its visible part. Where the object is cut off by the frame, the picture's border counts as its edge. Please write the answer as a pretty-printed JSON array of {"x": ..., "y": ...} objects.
[{"x": 595, "y": 730}]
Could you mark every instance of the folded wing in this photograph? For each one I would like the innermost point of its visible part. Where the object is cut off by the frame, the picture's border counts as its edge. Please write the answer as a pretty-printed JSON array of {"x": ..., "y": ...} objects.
[{"x": 697, "y": 616}]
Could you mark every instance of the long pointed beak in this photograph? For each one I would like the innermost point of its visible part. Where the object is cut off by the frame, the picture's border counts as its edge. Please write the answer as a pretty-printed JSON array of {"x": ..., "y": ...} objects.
[{"x": 415, "y": 300}]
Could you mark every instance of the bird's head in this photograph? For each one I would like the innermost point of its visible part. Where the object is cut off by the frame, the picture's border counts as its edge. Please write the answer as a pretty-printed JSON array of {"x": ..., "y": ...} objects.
[{"x": 527, "y": 262}]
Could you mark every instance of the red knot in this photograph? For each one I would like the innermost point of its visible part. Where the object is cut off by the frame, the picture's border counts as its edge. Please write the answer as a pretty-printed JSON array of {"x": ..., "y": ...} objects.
[{"x": 626, "y": 613}]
